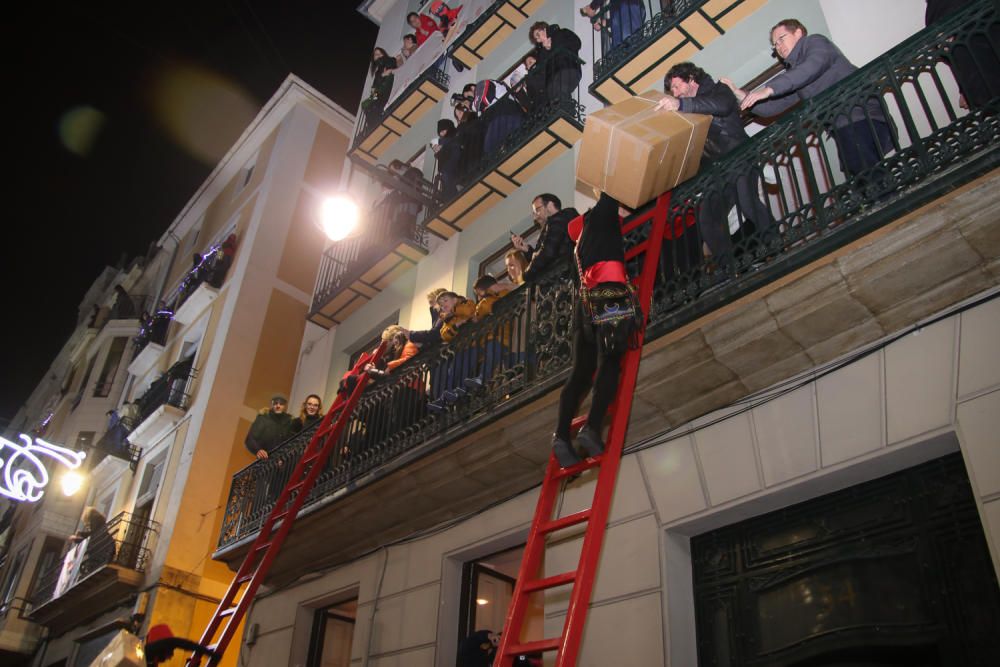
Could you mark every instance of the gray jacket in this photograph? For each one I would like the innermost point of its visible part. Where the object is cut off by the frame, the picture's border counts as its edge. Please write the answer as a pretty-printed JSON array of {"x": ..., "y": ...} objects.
[{"x": 813, "y": 65}]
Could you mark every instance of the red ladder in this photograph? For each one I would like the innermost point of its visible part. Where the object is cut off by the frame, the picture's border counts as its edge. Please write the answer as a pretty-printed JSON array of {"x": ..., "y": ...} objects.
[
  {"x": 567, "y": 645},
  {"x": 265, "y": 548}
]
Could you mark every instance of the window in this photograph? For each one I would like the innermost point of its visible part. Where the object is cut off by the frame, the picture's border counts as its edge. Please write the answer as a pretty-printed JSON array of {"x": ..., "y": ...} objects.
[
  {"x": 107, "y": 376},
  {"x": 84, "y": 383},
  {"x": 487, "y": 589},
  {"x": 51, "y": 552},
  {"x": 246, "y": 173},
  {"x": 495, "y": 265},
  {"x": 332, "y": 633}
]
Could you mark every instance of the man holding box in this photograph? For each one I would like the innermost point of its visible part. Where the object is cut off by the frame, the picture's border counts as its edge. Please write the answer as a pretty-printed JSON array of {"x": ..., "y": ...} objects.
[{"x": 694, "y": 91}]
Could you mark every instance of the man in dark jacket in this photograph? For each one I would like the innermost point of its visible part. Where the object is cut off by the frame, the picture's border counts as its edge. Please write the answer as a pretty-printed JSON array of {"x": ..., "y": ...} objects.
[
  {"x": 812, "y": 64},
  {"x": 270, "y": 428},
  {"x": 694, "y": 91},
  {"x": 559, "y": 64},
  {"x": 553, "y": 241}
]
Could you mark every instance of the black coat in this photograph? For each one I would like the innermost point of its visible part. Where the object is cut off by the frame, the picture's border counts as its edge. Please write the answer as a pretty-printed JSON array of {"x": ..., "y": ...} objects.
[
  {"x": 269, "y": 430},
  {"x": 718, "y": 101},
  {"x": 601, "y": 238},
  {"x": 553, "y": 243}
]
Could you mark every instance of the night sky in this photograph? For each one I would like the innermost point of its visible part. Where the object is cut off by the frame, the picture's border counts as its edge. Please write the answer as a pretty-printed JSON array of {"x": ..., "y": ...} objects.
[{"x": 117, "y": 112}]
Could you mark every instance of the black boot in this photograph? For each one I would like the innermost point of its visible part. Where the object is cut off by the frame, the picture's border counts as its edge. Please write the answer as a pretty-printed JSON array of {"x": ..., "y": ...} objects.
[{"x": 565, "y": 454}]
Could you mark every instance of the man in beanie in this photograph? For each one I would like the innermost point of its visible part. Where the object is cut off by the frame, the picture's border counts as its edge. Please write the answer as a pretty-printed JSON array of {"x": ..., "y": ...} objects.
[{"x": 271, "y": 427}]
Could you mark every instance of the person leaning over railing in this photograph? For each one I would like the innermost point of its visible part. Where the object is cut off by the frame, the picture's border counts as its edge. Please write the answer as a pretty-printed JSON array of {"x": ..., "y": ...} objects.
[
  {"x": 455, "y": 312},
  {"x": 271, "y": 427},
  {"x": 494, "y": 346},
  {"x": 311, "y": 412},
  {"x": 559, "y": 68},
  {"x": 691, "y": 90},
  {"x": 100, "y": 543},
  {"x": 616, "y": 20},
  {"x": 812, "y": 64},
  {"x": 553, "y": 241},
  {"x": 974, "y": 62},
  {"x": 406, "y": 404}
]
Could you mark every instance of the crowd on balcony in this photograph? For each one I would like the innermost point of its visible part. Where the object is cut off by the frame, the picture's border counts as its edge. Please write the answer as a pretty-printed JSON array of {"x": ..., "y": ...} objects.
[{"x": 487, "y": 113}]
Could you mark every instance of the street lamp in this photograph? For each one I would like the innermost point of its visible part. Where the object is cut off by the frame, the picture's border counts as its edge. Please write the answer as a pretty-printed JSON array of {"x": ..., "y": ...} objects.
[
  {"x": 338, "y": 216},
  {"x": 71, "y": 482}
]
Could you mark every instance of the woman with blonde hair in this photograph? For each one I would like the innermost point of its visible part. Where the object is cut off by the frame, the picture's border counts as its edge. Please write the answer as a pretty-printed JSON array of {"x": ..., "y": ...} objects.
[
  {"x": 311, "y": 412},
  {"x": 516, "y": 262}
]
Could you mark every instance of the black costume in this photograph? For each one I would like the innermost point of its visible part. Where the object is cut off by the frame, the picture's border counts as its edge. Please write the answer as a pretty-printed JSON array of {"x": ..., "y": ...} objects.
[{"x": 554, "y": 243}]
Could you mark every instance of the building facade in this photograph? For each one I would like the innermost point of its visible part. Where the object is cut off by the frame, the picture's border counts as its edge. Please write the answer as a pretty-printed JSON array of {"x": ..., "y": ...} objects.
[
  {"x": 812, "y": 434},
  {"x": 186, "y": 373}
]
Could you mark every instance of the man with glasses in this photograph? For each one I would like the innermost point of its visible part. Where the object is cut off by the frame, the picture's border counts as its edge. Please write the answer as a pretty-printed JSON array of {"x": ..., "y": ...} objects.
[
  {"x": 553, "y": 240},
  {"x": 812, "y": 64}
]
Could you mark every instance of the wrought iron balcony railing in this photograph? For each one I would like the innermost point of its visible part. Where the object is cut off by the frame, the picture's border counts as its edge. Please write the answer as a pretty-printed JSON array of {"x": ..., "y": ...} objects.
[
  {"x": 778, "y": 203},
  {"x": 125, "y": 542},
  {"x": 354, "y": 270},
  {"x": 638, "y": 40},
  {"x": 172, "y": 388}
]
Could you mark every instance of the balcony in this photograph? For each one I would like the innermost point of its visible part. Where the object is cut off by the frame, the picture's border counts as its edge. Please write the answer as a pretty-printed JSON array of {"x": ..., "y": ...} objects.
[
  {"x": 378, "y": 129},
  {"x": 95, "y": 574},
  {"x": 161, "y": 406},
  {"x": 491, "y": 28},
  {"x": 148, "y": 345},
  {"x": 353, "y": 271},
  {"x": 546, "y": 133},
  {"x": 633, "y": 51},
  {"x": 845, "y": 260}
]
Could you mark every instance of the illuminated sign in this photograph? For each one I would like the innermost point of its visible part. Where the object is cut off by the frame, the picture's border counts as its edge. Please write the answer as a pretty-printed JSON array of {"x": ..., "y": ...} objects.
[{"x": 24, "y": 475}]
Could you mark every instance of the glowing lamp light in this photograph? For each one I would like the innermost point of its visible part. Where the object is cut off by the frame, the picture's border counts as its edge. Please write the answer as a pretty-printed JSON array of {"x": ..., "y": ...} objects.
[
  {"x": 338, "y": 216},
  {"x": 482, "y": 601},
  {"x": 71, "y": 482},
  {"x": 23, "y": 476}
]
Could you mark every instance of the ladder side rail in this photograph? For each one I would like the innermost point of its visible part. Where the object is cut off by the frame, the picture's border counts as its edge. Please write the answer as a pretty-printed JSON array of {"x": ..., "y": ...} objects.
[{"x": 325, "y": 440}]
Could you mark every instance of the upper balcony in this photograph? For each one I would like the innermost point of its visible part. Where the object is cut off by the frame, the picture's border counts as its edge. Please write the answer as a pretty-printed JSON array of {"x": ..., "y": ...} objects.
[
  {"x": 641, "y": 39},
  {"x": 815, "y": 263},
  {"x": 96, "y": 573},
  {"x": 353, "y": 271},
  {"x": 422, "y": 81},
  {"x": 158, "y": 408}
]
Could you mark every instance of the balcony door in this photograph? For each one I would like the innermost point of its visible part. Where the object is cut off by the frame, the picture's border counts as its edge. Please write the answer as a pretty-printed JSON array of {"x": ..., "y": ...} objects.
[{"x": 332, "y": 635}]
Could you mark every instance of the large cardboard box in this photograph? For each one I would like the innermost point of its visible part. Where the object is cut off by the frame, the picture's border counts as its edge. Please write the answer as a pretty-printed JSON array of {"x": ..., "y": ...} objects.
[{"x": 634, "y": 152}]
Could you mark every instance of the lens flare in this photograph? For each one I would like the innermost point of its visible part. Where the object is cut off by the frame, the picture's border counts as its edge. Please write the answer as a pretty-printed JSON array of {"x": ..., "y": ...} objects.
[
  {"x": 339, "y": 217},
  {"x": 79, "y": 129}
]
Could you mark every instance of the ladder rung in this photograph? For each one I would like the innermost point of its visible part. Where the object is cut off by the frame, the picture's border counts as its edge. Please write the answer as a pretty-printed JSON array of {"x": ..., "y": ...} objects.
[
  {"x": 565, "y": 522},
  {"x": 636, "y": 250},
  {"x": 261, "y": 547},
  {"x": 549, "y": 582},
  {"x": 535, "y": 647},
  {"x": 227, "y": 612},
  {"x": 245, "y": 578},
  {"x": 310, "y": 458},
  {"x": 587, "y": 464}
]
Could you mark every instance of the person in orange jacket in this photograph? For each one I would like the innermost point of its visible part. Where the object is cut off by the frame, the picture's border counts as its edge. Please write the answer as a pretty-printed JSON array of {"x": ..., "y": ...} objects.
[{"x": 455, "y": 312}]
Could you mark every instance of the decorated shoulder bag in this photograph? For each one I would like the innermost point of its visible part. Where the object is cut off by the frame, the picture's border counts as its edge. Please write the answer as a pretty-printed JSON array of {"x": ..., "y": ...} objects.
[{"x": 612, "y": 316}]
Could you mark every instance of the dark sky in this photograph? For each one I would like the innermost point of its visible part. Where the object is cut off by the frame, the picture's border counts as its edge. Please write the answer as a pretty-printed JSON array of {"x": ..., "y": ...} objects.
[{"x": 102, "y": 182}]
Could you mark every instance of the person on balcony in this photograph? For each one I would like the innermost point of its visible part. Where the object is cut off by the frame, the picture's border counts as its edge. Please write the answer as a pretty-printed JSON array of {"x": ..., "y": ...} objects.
[
  {"x": 423, "y": 26},
  {"x": 271, "y": 427},
  {"x": 516, "y": 262},
  {"x": 221, "y": 261},
  {"x": 448, "y": 152},
  {"x": 470, "y": 134},
  {"x": 381, "y": 69},
  {"x": 500, "y": 111},
  {"x": 123, "y": 308},
  {"x": 975, "y": 64},
  {"x": 558, "y": 71},
  {"x": 812, "y": 64},
  {"x": 597, "y": 346},
  {"x": 409, "y": 46},
  {"x": 100, "y": 543},
  {"x": 455, "y": 312},
  {"x": 694, "y": 91},
  {"x": 615, "y": 20},
  {"x": 310, "y": 414},
  {"x": 553, "y": 241}
]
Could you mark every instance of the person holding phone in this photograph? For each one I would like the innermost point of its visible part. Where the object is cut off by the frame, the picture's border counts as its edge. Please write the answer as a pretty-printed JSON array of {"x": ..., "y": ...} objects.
[{"x": 553, "y": 240}]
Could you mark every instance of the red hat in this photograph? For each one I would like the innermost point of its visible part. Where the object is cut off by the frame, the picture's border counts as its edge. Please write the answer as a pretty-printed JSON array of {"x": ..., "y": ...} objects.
[{"x": 158, "y": 632}]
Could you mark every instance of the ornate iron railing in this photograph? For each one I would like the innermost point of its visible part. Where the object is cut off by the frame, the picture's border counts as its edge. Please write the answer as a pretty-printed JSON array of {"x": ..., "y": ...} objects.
[
  {"x": 125, "y": 541},
  {"x": 788, "y": 177},
  {"x": 393, "y": 219},
  {"x": 172, "y": 388}
]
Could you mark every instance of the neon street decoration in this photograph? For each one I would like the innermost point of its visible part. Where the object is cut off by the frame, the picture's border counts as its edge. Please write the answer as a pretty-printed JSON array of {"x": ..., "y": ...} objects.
[{"x": 24, "y": 474}]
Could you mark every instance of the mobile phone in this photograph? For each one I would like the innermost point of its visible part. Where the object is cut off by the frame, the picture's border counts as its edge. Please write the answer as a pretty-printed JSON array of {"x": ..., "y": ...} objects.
[{"x": 513, "y": 233}]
